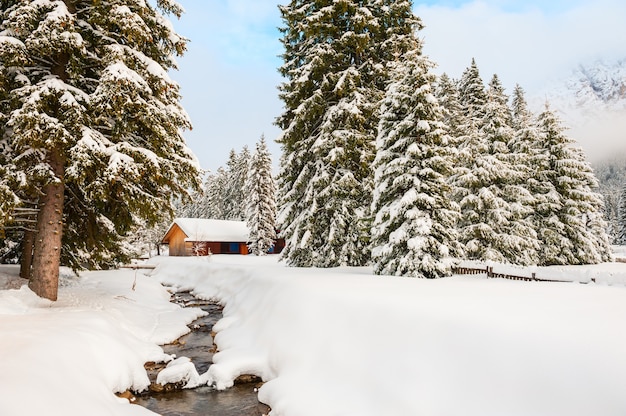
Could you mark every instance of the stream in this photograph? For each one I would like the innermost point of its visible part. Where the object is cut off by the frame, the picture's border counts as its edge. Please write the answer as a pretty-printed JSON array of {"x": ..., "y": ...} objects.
[{"x": 239, "y": 400}]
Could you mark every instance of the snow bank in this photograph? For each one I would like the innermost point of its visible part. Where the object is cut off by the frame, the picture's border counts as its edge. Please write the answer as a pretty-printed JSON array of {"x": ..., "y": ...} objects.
[
  {"x": 70, "y": 356},
  {"x": 343, "y": 342},
  {"x": 326, "y": 341}
]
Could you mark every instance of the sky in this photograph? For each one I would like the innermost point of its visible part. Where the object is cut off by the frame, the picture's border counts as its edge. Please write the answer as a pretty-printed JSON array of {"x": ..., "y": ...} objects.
[{"x": 229, "y": 75}]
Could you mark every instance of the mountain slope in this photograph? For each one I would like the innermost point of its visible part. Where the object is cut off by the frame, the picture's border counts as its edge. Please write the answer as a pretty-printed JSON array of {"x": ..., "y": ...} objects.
[{"x": 592, "y": 102}]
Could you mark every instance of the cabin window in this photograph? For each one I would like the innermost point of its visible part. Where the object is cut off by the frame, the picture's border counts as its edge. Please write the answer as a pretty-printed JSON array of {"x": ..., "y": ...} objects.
[{"x": 229, "y": 248}]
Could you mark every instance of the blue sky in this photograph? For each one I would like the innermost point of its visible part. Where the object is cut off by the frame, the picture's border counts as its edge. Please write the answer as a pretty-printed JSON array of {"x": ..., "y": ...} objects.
[{"x": 229, "y": 75}]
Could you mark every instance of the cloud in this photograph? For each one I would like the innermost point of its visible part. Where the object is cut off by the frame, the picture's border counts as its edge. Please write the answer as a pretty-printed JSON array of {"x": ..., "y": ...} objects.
[
  {"x": 601, "y": 137},
  {"x": 528, "y": 45}
]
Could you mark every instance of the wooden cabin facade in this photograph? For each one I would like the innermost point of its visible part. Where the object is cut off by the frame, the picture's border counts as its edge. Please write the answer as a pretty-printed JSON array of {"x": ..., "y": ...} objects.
[{"x": 201, "y": 237}]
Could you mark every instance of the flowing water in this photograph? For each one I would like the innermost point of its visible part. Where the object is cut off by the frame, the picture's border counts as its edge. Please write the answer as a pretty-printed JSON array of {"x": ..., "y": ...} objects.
[{"x": 240, "y": 400}]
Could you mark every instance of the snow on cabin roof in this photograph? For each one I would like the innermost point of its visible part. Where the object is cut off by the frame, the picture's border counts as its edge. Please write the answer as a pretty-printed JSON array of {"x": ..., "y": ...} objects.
[{"x": 202, "y": 229}]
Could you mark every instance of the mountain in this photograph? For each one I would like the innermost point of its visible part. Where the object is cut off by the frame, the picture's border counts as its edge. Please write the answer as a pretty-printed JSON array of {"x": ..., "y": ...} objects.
[
  {"x": 600, "y": 85},
  {"x": 592, "y": 102}
]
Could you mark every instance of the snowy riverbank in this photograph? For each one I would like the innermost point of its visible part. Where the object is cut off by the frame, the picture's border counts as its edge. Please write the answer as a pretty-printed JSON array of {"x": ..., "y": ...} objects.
[
  {"x": 327, "y": 341},
  {"x": 68, "y": 357}
]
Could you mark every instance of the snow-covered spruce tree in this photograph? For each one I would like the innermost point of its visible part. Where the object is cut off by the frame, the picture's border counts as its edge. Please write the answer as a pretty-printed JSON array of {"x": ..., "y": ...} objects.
[
  {"x": 611, "y": 174},
  {"x": 569, "y": 218},
  {"x": 147, "y": 239},
  {"x": 472, "y": 94},
  {"x": 447, "y": 94},
  {"x": 8, "y": 198},
  {"x": 215, "y": 194},
  {"x": 232, "y": 195},
  {"x": 238, "y": 183},
  {"x": 495, "y": 203},
  {"x": 525, "y": 143},
  {"x": 621, "y": 230},
  {"x": 260, "y": 191},
  {"x": 520, "y": 243},
  {"x": 95, "y": 122},
  {"x": 414, "y": 229},
  {"x": 335, "y": 65},
  {"x": 200, "y": 203}
]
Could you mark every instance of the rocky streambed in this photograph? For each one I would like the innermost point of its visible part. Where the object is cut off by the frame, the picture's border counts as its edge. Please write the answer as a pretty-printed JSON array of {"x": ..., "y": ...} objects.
[{"x": 172, "y": 400}]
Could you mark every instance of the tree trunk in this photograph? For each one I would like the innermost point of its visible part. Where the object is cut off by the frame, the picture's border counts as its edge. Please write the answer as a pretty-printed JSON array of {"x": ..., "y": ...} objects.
[
  {"x": 27, "y": 254},
  {"x": 44, "y": 279}
]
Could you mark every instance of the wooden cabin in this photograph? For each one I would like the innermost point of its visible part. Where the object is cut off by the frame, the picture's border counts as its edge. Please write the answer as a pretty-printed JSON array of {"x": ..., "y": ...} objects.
[{"x": 200, "y": 237}]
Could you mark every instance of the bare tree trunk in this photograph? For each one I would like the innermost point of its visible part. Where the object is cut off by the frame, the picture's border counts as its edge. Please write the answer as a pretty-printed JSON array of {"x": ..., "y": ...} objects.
[
  {"x": 27, "y": 254},
  {"x": 44, "y": 279}
]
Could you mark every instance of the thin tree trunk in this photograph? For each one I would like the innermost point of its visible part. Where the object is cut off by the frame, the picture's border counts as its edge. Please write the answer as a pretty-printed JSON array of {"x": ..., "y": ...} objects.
[
  {"x": 44, "y": 279},
  {"x": 27, "y": 254}
]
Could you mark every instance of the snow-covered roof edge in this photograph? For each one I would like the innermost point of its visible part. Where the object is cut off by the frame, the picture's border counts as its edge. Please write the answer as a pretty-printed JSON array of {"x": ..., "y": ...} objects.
[{"x": 202, "y": 229}]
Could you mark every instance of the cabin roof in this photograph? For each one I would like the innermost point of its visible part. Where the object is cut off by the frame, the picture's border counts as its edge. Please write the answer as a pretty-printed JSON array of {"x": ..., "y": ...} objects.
[{"x": 202, "y": 229}]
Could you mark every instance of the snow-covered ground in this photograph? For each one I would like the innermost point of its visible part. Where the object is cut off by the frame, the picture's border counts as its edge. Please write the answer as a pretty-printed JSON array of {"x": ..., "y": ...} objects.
[
  {"x": 327, "y": 341},
  {"x": 68, "y": 357}
]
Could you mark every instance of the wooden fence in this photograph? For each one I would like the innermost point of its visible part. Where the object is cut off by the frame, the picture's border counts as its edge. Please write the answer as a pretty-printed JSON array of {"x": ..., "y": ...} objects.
[{"x": 494, "y": 275}]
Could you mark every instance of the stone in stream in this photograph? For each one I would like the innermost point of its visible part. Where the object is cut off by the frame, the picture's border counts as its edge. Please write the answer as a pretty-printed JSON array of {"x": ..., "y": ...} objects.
[{"x": 171, "y": 399}]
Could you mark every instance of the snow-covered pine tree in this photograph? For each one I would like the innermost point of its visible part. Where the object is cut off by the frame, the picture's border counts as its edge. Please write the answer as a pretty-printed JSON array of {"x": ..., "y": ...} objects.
[
  {"x": 146, "y": 240},
  {"x": 526, "y": 140},
  {"x": 611, "y": 174},
  {"x": 495, "y": 204},
  {"x": 216, "y": 186},
  {"x": 414, "y": 229},
  {"x": 261, "y": 201},
  {"x": 8, "y": 198},
  {"x": 569, "y": 218},
  {"x": 447, "y": 94},
  {"x": 240, "y": 176},
  {"x": 195, "y": 207},
  {"x": 519, "y": 240},
  {"x": 95, "y": 121},
  {"x": 621, "y": 231},
  {"x": 335, "y": 64},
  {"x": 233, "y": 199},
  {"x": 231, "y": 193},
  {"x": 472, "y": 94}
]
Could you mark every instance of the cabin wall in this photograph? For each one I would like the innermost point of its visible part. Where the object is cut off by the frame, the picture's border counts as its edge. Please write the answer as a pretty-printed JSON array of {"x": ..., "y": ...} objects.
[
  {"x": 214, "y": 247},
  {"x": 177, "y": 243},
  {"x": 193, "y": 248}
]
